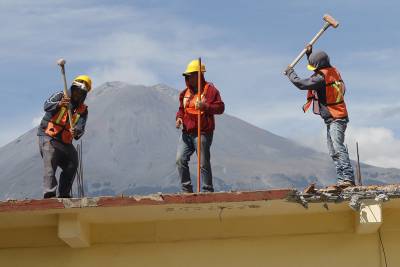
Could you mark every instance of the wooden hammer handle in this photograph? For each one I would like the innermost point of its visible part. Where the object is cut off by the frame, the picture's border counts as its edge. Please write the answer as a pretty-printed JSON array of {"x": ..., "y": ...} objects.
[{"x": 61, "y": 63}]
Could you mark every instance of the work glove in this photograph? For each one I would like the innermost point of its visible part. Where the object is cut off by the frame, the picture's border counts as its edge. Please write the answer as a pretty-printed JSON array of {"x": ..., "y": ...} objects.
[
  {"x": 288, "y": 70},
  {"x": 200, "y": 105},
  {"x": 308, "y": 50},
  {"x": 64, "y": 102},
  {"x": 73, "y": 132}
]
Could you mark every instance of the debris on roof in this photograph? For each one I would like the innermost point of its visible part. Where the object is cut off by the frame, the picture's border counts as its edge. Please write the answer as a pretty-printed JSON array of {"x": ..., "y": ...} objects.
[{"x": 354, "y": 195}]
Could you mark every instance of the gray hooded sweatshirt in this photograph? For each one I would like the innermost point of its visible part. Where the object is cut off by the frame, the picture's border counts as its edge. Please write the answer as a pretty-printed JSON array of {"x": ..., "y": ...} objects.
[{"x": 51, "y": 108}]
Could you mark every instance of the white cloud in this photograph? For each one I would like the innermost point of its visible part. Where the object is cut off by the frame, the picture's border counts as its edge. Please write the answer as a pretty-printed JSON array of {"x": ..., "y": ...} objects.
[
  {"x": 149, "y": 46},
  {"x": 378, "y": 146}
]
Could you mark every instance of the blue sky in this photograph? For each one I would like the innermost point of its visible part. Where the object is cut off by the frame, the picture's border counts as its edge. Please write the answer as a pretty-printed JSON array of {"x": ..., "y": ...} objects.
[{"x": 245, "y": 45}]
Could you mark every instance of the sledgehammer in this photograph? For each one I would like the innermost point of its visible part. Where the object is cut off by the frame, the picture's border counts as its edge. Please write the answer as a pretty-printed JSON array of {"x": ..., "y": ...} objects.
[
  {"x": 61, "y": 62},
  {"x": 330, "y": 21}
]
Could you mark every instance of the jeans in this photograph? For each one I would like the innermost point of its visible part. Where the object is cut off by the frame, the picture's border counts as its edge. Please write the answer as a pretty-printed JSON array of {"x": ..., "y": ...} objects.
[
  {"x": 56, "y": 154},
  {"x": 338, "y": 151},
  {"x": 186, "y": 147}
]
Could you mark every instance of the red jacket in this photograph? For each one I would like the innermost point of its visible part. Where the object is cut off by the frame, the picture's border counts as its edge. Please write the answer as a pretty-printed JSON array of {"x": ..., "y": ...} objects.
[{"x": 214, "y": 105}]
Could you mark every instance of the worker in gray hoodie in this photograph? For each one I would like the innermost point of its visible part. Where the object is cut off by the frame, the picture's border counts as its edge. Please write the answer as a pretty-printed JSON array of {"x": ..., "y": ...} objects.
[
  {"x": 326, "y": 91},
  {"x": 56, "y": 136}
]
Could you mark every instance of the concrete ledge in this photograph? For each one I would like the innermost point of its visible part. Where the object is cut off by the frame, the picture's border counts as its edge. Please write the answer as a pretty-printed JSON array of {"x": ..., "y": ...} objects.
[
  {"x": 73, "y": 231},
  {"x": 369, "y": 218},
  {"x": 155, "y": 199}
]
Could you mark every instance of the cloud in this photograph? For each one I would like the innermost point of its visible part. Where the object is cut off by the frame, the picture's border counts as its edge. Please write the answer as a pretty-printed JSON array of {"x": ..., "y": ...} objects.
[
  {"x": 126, "y": 42},
  {"x": 378, "y": 146}
]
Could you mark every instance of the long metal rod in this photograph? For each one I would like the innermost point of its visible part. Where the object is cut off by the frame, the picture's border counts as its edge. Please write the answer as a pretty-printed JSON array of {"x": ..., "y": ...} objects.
[
  {"x": 358, "y": 167},
  {"x": 78, "y": 177},
  {"x": 312, "y": 42},
  {"x": 199, "y": 129},
  {"x": 78, "y": 187},
  {"x": 81, "y": 171}
]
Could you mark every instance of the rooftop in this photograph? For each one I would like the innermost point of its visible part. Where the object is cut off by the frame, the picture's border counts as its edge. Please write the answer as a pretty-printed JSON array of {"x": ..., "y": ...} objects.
[{"x": 156, "y": 218}]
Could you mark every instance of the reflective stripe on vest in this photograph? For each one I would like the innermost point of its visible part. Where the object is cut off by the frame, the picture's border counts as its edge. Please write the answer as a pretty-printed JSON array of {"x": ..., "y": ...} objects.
[
  {"x": 59, "y": 123},
  {"x": 62, "y": 111},
  {"x": 335, "y": 90},
  {"x": 189, "y": 100},
  {"x": 77, "y": 116}
]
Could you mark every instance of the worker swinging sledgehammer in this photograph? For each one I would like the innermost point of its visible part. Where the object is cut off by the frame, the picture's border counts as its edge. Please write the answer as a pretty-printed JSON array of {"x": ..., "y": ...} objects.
[
  {"x": 326, "y": 91},
  {"x": 56, "y": 132},
  {"x": 190, "y": 106}
]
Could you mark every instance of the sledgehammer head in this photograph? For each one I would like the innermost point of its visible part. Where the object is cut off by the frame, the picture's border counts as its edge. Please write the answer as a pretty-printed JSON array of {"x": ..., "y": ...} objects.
[
  {"x": 61, "y": 62},
  {"x": 328, "y": 18}
]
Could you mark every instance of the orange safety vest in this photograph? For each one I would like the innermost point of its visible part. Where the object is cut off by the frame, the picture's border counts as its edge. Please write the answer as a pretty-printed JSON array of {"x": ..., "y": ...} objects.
[
  {"x": 335, "y": 90},
  {"x": 60, "y": 123},
  {"x": 190, "y": 99}
]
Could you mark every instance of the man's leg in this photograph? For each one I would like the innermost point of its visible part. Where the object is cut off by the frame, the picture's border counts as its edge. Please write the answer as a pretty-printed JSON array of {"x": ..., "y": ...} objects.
[
  {"x": 333, "y": 153},
  {"x": 69, "y": 165},
  {"x": 185, "y": 150},
  {"x": 338, "y": 128},
  {"x": 50, "y": 158},
  {"x": 206, "y": 173}
]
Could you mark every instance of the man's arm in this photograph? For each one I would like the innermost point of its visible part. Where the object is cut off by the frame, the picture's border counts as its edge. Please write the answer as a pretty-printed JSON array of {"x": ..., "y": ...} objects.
[
  {"x": 315, "y": 82},
  {"x": 181, "y": 110},
  {"x": 216, "y": 106},
  {"x": 52, "y": 104}
]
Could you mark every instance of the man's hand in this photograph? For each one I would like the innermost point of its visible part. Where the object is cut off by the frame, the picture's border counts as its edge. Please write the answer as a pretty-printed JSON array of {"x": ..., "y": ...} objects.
[
  {"x": 200, "y": 105},
  {"x": 308, "y": 49},
  {"x": 178, "y": 123},
  {"x": 73, "y": 132},
  {"x": 288, "y": 70},
  {"x": 64, "y": 102}
]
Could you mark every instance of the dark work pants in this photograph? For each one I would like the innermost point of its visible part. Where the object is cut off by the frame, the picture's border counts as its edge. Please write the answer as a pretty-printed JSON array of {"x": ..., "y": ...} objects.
[
  {"x": 186, "y": 147},
  {"x": 57, "y": 154}
]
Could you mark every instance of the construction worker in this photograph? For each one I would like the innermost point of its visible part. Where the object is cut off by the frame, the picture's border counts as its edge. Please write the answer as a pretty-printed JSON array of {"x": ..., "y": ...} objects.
[
  {"x": 56, "y": 135},
  {"x": 326, "y": 91},
  {"x": 209, "y": 105}
]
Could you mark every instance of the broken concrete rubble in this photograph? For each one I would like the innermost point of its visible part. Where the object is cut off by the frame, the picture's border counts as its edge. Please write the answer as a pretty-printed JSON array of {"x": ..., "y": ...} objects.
[{"x": 356, "y": 194}]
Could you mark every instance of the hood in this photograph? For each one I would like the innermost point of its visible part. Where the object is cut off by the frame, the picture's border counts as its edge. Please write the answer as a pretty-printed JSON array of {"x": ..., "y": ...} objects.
[{"x": 319, "y": 60}]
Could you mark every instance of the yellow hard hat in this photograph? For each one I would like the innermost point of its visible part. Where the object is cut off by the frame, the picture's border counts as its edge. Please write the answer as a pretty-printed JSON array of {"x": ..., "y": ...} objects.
[
  {"x": 83, "y": 80},
  {"x": 193, "y": 66},
  {"x": 311, "y": 67}
]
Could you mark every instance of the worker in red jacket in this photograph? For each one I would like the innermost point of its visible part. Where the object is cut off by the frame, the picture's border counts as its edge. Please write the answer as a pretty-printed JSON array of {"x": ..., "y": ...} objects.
[{"x": 209, "y": 105}]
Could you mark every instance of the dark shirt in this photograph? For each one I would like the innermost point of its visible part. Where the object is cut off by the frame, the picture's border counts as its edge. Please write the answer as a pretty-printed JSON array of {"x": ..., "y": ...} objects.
[{"x": 317, "y": 83}]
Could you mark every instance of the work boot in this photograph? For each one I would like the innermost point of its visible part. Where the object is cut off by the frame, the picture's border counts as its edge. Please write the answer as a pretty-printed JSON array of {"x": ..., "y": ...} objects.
[
  {"x": 49, "y": 195},
  {"x": 208, "y": 189},
  {"x": 187, "y": 189},
  {"x": 64, "y": 196}
]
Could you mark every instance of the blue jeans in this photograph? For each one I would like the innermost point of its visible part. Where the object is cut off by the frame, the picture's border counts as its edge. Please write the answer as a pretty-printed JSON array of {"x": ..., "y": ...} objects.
[
  {"x": 186, "y": 147},
  {"x": 338, "y": 151}
]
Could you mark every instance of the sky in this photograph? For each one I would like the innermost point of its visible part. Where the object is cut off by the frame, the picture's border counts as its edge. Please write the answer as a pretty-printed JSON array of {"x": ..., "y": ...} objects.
[{"x": 244, "y": 44}]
